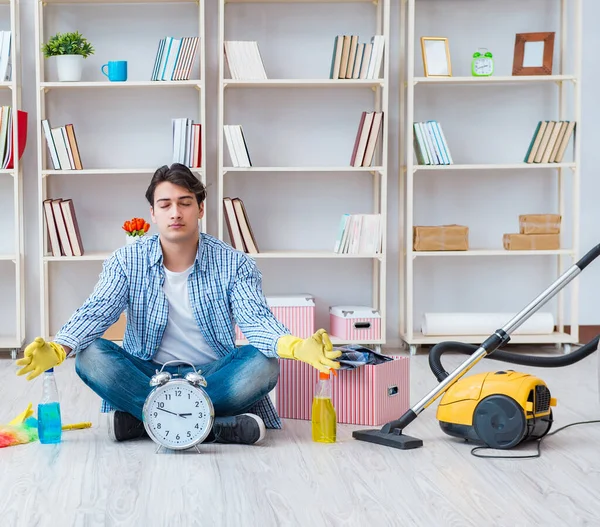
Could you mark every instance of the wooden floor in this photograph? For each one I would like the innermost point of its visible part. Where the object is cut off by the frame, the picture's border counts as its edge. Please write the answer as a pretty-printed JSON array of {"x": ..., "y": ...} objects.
[{"x": 289, "y": 480}]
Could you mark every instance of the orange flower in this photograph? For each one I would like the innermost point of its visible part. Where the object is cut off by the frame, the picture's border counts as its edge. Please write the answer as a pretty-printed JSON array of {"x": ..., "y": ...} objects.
[{"x": 136, "y": 227}]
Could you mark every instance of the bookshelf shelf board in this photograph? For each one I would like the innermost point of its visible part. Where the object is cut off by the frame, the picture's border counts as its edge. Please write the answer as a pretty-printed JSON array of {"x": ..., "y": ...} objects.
[
  {"x": 312, "y": 254},
  {"x": 336, "y": 341},
  {"x": 88, "y": 257},
  {"x": 84, "y": 2},
  {"x": 8, "y": 171},
  {"x": 302, "y": 169},
  {"x": 493, "y": 252},
  {"x": 7, "y": 85},
  {"x": 101, "y": 256},
  {"x": 507, "y": 166},
  {"x": 7, "y": 257},
  {"x": 302, "y": 83},
  {"x": 107, "y": 171},
  {"x": 508, "y": 79},
  {"x": 550, "y": 338},
  {"x": 120, "y": 85},
  {"x": 296, "y": 1},
  {"x": 10, "y": 343}
]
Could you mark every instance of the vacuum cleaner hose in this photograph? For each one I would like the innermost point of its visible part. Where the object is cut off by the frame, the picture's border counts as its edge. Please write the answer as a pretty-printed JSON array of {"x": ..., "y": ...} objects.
[{"x": 435, "y": 356}]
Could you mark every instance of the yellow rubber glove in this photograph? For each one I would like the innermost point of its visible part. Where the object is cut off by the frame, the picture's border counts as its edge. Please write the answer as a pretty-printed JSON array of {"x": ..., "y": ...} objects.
[
  {"x": 316, "y": 350},
  {"x": 39, "y": 357}
]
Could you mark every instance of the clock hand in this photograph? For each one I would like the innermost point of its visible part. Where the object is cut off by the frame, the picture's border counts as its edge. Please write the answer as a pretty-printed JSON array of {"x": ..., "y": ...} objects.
[
  {"x": 184, "y": 415},
  {"x": 163, "y": 410}
]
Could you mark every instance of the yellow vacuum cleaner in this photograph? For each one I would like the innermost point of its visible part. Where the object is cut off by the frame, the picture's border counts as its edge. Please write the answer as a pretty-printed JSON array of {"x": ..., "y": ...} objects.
[{"x": 499, "y": 409}]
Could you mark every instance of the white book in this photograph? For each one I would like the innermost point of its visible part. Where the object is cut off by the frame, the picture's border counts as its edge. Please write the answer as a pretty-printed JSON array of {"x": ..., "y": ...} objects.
[
  {"x": 240, "y": 144},
  {"x": 230, "y": 145},
  {"x": 51, "y": 145},
  {"x": 172, "y": 59},
  {"x": 61, "y": 148}
]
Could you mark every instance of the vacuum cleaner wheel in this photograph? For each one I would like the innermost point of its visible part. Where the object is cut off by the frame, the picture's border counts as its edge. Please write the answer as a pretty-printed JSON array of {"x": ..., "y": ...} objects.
[{"x": 499, "y": 421}]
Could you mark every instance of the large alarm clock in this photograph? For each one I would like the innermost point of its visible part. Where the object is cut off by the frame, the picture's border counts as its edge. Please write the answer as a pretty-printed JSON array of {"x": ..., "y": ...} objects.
[
  {"x": 482, "y": 64},
  {"x": 178, "y": 413}
]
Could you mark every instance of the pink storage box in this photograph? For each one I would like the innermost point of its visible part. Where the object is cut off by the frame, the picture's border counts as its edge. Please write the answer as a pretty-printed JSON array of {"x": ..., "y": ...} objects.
[
  {"x": 296, "y": 312},
  {"x": 369, "y": 395},
  {"x": 354, "y": 323}
]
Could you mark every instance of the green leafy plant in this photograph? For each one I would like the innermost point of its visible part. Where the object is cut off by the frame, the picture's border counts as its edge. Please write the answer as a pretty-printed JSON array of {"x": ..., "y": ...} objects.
[{"x": 68, "y": 44}]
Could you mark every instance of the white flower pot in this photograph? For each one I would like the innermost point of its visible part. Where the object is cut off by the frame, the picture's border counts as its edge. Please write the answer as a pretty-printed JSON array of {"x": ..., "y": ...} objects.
[
  {"x": 69, "y": 67},
  {"x": 132, "y": 239}
]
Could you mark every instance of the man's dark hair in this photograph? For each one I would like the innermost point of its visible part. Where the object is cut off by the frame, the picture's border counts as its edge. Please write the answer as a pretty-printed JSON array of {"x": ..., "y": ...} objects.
[{"x": 179, "y": 175}]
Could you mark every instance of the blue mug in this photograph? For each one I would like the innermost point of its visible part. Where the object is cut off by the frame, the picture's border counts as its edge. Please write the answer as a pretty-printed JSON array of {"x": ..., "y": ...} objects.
[{"x": 117, "y": 70}]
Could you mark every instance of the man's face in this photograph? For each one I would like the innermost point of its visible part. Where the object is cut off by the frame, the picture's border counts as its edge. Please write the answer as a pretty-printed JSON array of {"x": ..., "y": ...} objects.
[{"x": 176, "y": 212}]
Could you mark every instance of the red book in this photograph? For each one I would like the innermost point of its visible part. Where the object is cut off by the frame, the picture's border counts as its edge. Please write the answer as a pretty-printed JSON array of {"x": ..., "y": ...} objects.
[{"x": 22, "y": 137}]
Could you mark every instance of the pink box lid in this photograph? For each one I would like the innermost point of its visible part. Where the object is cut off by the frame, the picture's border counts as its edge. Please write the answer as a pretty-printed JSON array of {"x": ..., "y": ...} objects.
[
  {"x": 354, "y": 312},
  {"x": 297, "y": 300}
]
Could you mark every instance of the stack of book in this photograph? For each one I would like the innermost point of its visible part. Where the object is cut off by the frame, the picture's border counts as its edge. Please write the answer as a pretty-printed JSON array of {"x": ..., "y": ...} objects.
[
  {"x": 5, "y": 56},
  {"x": 238, "y": 226},
  {"x": 62, "y": 145},
  {"x": 430, "y": 144},
  {"x": 7, "y": 136},
  {"x": 236, "y": 144},
  {"x": 549, "y": 142},
  {"x": 244, "y": 60},
  {"x": 174, "y": 59},
  {"x": 356, "y": 60},
  {"x": 369, "y": 130},
  {"x": 359, "y": 234},
  {"x": 62, "y": 227},
  {"x": 187, "y": 142}
]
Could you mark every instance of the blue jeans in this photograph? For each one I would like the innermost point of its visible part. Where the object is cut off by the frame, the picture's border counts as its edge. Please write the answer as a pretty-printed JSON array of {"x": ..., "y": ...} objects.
[{"x": 235, "y": 382}]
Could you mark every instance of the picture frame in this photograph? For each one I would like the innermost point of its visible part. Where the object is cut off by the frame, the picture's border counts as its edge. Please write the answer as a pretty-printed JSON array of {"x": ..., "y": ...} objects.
[
  {"x": 534, "y": 53},
  {"x": 436, "y": 57}
]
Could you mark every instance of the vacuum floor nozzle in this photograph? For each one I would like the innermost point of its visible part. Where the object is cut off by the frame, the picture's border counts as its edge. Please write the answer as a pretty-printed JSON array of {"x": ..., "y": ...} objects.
[{"x": 395, "y": 438}]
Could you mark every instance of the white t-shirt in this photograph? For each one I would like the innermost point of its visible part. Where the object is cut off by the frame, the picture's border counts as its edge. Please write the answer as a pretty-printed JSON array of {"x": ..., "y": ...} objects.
[{"x": 182, "y": 339}]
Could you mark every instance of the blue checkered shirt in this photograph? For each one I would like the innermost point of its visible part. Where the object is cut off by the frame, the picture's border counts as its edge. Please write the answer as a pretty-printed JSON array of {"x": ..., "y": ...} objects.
[{"x": 225, "y": 287}]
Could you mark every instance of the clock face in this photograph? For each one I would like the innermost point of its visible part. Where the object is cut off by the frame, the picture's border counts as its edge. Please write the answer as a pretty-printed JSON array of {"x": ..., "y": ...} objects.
[
  {"x": 178, "y": 415},
  {"x": 483, "y": 66}
]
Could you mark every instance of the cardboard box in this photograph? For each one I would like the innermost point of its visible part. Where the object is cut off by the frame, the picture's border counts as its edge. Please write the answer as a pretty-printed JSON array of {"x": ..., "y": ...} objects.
[
  {"x": 117, "y": 330},
  {"x": 539, "y": 223},
  {"x": 528, "y": 242},
  {"x": 369, "y": 395},
  {"x": 441, "y": 238},
  {"x": 354, "y": 323},
  {"x": 295, "y": 312}
]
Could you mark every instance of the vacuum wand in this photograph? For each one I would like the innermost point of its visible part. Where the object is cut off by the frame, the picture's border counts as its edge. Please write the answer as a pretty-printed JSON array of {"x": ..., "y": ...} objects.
[{"x": 391, "y": 433}]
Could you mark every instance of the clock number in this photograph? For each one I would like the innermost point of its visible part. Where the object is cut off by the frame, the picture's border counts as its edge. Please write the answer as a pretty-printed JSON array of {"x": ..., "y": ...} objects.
[
  {"x": 158, "y": 426},
  {"x": 196, "y": 426},
  {"x": 200, "y": 414},
  {"x": 197, "y": 404},
  {"x": 189, "y": 434},
  {"x": 177, "y": 393},
  {"x": 177, "y": 436},
  {"x": 168, "y": 396},
  {"x": 161, "y": 405},
  {"x": 166, "y": 433},
  {"x": 189, "y": 395},
  {"x": 155, "y": 414}
]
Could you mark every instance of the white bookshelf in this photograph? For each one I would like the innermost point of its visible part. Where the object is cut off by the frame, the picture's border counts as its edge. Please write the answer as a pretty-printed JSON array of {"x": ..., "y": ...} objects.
[
  {"x": 566, "y": 75},
  {"x": 13, "y": 337},
  {"x": 92, "y": 177},
  {"x": 378, "y": 172}
]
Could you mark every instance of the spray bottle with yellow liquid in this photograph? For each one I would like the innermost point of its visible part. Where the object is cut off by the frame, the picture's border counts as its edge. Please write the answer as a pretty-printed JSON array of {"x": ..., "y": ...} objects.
[{"x": 324, "y": 420}]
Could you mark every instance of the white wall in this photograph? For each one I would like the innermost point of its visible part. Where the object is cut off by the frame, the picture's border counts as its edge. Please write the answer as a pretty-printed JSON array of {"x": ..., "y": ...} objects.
[{"x": 130, "y": 128}]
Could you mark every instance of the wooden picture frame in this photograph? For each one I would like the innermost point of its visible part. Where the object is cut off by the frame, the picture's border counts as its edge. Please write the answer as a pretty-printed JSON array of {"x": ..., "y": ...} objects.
[
  {"x": 534, "y": 53},
  {"x": 436, "y": 57}
]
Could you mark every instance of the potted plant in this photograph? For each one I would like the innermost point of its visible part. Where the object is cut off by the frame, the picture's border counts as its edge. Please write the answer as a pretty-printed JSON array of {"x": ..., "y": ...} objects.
[
  {"x": 69, "y": 50},
  {"x": 135, "y": 229}
]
